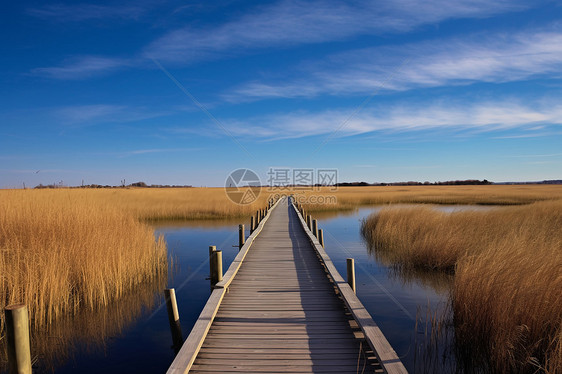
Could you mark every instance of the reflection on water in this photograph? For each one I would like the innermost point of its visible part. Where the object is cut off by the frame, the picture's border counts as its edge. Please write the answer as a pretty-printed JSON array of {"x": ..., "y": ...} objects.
[
  {"x": 133, "y": 334},
  {"x": 89, "y": 331},
  {"x": 321, "y": 215},
  {"x": 411, "y": 307}
]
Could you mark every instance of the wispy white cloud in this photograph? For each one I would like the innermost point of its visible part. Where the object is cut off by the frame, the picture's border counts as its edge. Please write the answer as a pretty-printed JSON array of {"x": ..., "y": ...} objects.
[
  {"x": 478, "y": 58},
  {"x": 137, "y": 152},
  {"x": 288, "y": 23},
  {"x": 82, "y": 67},
  {"x": 84, "y": 12},
  {"x": 100, "y": 113},
  {"x": 486, "y": 116},
  {"x": 540, "y": 156}
]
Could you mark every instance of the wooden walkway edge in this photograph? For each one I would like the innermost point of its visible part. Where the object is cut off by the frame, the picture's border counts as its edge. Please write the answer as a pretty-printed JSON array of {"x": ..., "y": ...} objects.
[
  {"x": 377, "y": 341},
  {"x": 283, "y": 307}
]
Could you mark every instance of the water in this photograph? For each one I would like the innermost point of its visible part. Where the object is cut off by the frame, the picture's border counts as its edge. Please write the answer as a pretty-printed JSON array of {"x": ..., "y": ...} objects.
[
  {"x": 144, "y": 346},
  {"x": 133, "y": 335},
  {"x": 394, "y": 300}
]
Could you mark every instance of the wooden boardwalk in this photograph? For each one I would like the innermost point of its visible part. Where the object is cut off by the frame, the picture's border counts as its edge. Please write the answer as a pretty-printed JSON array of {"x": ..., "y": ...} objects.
[{"x": 280, "y": 309}]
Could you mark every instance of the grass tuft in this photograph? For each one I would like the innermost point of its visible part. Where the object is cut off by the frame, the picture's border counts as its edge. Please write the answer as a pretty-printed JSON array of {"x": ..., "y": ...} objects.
[{"x": 507, "y": 292}]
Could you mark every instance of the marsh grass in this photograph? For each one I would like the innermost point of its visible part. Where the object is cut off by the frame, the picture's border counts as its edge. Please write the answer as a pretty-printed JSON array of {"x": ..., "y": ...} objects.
[
  {"x": 89, "y": 331},
  {"x": 180, "y": 204},
  {"x": 64, "y": 252},
  {"x": 507, "y": 264},
  {"x": 349, "y": 198}
]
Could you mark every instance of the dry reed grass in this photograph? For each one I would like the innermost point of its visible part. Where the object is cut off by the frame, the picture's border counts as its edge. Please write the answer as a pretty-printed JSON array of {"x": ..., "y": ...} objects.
[
  {"x": 154, "y": 204},
  {"x": 351, "y": 197},
  {"x": 67, "y": 249},
  {"x": 64, "y": 251},
  {"x": 507, "y": 295},
  {"x": 89, "y": 330}
]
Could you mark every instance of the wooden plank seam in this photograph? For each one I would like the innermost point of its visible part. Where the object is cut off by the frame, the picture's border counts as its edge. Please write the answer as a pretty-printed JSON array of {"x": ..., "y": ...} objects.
[
  {"x": 190, "y": 348},
  {"x": 384, "y": 352}
]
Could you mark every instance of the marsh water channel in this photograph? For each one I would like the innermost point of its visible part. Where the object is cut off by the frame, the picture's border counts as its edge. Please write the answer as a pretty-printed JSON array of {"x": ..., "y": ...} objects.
[{"x": 133, "y": 335}]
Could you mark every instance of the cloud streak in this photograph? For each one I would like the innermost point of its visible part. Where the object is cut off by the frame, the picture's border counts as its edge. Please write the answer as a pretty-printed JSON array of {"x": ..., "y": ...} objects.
[
  {"x": 103, "y": 113},
  {"x": 486, "y": 116},
  {"x": 85, "y": 12},
  {"x": 290, "y": 23},
  {"x": 82, "y": 67},
  {"x": 494, "y": 58}
]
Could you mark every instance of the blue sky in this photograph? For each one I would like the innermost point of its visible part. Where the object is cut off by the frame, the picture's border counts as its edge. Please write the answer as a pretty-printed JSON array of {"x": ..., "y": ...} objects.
[{"x": 183, "y": 92}]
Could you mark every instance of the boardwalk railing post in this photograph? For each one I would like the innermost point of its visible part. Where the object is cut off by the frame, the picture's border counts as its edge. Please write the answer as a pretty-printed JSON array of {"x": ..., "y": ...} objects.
[
  {"x": 241, "y": 236},
  {"x": 173, "y": 318},
  {"x": 252, "y": 224},
  {"x": 216, "y": 267},
  {"x": 351, "y": 273},
  {"x": 321, "y": 237},
  {"x": 308, "y": 221},
  {"x": 17, "y": 333},
  {"x": 315, "y": 227},
  {"x": 212, "y": 248}
]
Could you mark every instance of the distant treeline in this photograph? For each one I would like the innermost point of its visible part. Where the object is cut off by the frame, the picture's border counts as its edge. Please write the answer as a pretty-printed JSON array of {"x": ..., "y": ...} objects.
[
  {"x": 426, "y": 183},
  {"x": 466, "y": 182},
  {"x": 137, "y": 184}
]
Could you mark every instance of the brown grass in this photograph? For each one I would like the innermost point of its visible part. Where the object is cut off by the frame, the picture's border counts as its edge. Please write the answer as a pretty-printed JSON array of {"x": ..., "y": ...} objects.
[
  {"x": 68, "y": 249},
  {"x": 174, "y": 203},
  {"x": 352, "y": 197},
  {"x": 507, "y": 296},
  {"x": 89, "y": 330},
  {"x": 64, "y": 251}
]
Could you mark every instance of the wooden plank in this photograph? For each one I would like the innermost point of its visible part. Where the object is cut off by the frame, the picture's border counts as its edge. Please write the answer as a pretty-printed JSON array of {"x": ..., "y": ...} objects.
[
  {"x": 237, "y": 262},
  {"x": 186, "y": 356},
  {"x": 388, "y": 358},
  {"x": 188, "y": 352},
  {"x": 282, "y": 310},
  {"x": 225, "y": 368}
]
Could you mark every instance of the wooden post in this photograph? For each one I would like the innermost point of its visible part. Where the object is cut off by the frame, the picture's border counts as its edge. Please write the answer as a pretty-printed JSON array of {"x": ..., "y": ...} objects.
[
  {"x": 252, "y": 224},
  {"x": 17, "y": 334},
  {"x": 241, "y": 236},
  {"x": 321, "y": 237},
  {"x": 315, "y": 227},
  {"x": 173, "y": 318},
  {"x": 212, "y": 248},
  {"x": 258, "y": 220},
  {"x": 309, "y": 221},
  {"x": 216, "y": 267},
  {"x": 351, "y": 273}
]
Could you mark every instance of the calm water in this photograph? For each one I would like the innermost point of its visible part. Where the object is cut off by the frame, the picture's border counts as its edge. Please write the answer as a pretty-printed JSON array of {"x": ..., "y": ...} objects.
[{"x": 133, "y": 336}]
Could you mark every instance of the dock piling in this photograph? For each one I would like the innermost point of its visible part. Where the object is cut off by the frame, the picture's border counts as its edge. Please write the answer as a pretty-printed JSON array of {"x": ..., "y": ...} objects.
[
  {"x": 315, "y": 228},
  {"x": 216, "y": 267},
  {"x": 173, "y": 318},
  {"x": 321, "y": 237},
  {"x": 17, "y": 334},
  {"x": 351, "y": 273},
  {"x": 241, "y": 236}
]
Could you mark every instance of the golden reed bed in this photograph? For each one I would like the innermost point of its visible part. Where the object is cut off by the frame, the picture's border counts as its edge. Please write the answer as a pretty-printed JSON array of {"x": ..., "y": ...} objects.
[
  {"x": 507, "y": 288},
  {"x": 66, "y": 250},
  {"x": 63, "y": 250}
]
